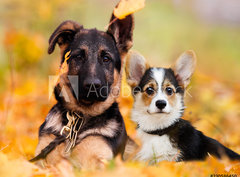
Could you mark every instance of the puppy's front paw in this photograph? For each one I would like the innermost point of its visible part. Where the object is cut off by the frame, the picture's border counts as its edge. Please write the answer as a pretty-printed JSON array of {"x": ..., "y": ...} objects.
[{"x": 92, "y": 153}]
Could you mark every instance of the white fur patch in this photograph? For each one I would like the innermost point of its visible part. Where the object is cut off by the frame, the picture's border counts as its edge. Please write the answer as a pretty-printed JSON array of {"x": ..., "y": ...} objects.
[
  {"x": 155, "y": 121},
  {"x": 156, "y": 148},
  {"x": 53, "y": 120}
]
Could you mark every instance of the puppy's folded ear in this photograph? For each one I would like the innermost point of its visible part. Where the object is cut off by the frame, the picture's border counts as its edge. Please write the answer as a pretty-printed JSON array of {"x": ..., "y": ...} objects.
[
  {"x": 184, "y": 67},
  {"x": 122, "y": 31},
  {"x": 63, "y": 35},
  {"x": 136, "y": 66}
]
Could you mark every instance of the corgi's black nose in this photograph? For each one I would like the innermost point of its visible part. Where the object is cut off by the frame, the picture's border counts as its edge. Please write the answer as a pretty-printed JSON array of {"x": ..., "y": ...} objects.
[{"x": 161, "y": 104}]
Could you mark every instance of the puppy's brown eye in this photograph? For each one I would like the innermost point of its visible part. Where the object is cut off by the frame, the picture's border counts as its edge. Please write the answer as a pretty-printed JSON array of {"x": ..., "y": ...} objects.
[
  {"x": 81, "y": 55},
  {"x": 106, "y": 58},
  {"x": 169, "y": 91},
  {"x": 149, "y": 91}
]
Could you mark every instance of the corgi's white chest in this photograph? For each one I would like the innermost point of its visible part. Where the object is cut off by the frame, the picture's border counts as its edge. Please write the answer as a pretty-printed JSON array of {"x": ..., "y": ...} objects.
[{"x": 156, "y": 148}]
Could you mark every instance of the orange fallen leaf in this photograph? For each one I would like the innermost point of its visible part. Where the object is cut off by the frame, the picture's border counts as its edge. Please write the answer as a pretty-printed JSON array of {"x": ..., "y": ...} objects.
[
  {"x": 64, "y": 66},
  {"x": 127, "y": 7},
  {"x": 53, "y": 81}
]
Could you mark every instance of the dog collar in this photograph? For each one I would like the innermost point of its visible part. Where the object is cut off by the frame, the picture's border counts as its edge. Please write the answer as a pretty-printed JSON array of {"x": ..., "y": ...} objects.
[
  {"x": 75, "y": 122},
  {"x": 163, "y": 131}
]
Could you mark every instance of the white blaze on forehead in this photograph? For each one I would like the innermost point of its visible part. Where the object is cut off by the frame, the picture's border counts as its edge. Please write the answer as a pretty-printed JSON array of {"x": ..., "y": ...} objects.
[{"x": 158, "y": 76}]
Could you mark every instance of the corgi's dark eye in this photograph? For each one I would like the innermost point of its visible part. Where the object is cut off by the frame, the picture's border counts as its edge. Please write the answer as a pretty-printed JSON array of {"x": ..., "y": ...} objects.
[
  {"x": 149, "y": 91},
  {"x": 169, "y": 91}
]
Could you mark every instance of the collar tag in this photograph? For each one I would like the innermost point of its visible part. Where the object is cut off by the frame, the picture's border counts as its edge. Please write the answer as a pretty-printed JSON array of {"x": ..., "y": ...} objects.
[{"x": 75, "y": 122}]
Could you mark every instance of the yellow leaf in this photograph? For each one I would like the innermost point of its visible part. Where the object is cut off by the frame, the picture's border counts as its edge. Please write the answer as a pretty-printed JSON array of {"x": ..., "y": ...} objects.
[
  {"x": 127, "y": 7},
  {"x": 64, "y": 66}
]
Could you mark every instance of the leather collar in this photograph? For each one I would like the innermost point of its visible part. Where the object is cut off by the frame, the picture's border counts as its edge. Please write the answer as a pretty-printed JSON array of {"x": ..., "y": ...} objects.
[{"x": 163, "y": 131}]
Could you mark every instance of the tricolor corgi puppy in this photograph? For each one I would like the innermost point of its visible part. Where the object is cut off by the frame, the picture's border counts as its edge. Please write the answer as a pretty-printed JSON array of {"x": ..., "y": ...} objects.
[{"x": 158, "y": 109}]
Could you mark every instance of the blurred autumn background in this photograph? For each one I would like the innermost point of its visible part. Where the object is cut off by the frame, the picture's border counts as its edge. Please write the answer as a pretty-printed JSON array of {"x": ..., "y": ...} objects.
[{"x": 163, "y": 30}]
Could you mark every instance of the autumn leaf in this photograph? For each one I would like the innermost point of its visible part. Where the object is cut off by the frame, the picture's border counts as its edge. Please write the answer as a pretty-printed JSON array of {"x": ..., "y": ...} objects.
[
  {"x": 64, "y": 66},
  {"x": 127, "y": 7},
  {"x": 62, "y": 69}
]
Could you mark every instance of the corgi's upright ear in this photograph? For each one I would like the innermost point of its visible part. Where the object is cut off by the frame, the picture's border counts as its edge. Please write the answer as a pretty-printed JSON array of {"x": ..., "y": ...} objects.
[
  {"x": 184, "y": 67},
  {"x": 136, "y": 66}
]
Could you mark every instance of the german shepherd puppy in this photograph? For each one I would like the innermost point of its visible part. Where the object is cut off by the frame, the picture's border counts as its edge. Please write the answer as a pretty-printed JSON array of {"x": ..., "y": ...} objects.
[
  {"x": 158, "y": 109},
  {"x": 96, "y": 58}
]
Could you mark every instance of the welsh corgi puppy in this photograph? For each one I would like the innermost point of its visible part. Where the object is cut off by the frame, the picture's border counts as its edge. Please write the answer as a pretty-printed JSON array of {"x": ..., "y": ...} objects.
[{"x": 158, "y": 109}]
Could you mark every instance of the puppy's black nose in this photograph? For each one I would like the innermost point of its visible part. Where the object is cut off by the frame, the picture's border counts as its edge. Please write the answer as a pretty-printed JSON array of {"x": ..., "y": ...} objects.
[
  {"x": 161, "y": 104},
  {"x": 92, "y": 83}
]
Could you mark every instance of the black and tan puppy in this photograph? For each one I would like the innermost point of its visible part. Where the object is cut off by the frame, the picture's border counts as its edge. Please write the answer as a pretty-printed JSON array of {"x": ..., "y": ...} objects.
[
  {"x": 158, "y": 109},
  {"x": 96, "y": 58}
]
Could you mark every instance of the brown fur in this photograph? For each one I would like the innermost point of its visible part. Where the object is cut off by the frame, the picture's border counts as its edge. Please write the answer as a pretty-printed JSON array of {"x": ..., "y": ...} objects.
[
  {"x": 91, "y": 152},
  {"x": 131, "y": 149},
  {"x": 133, "y": 58},
  {"x": 64, "y": 84},
  {"x": 67, "y": 27},
  {"x": 147, "y": 99},
  {"x": 181, "y": 63},
  {"x": 171, "y": 98},
  {"x": 92, "y": 70},
  {"x": 53, "y": 157}
]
